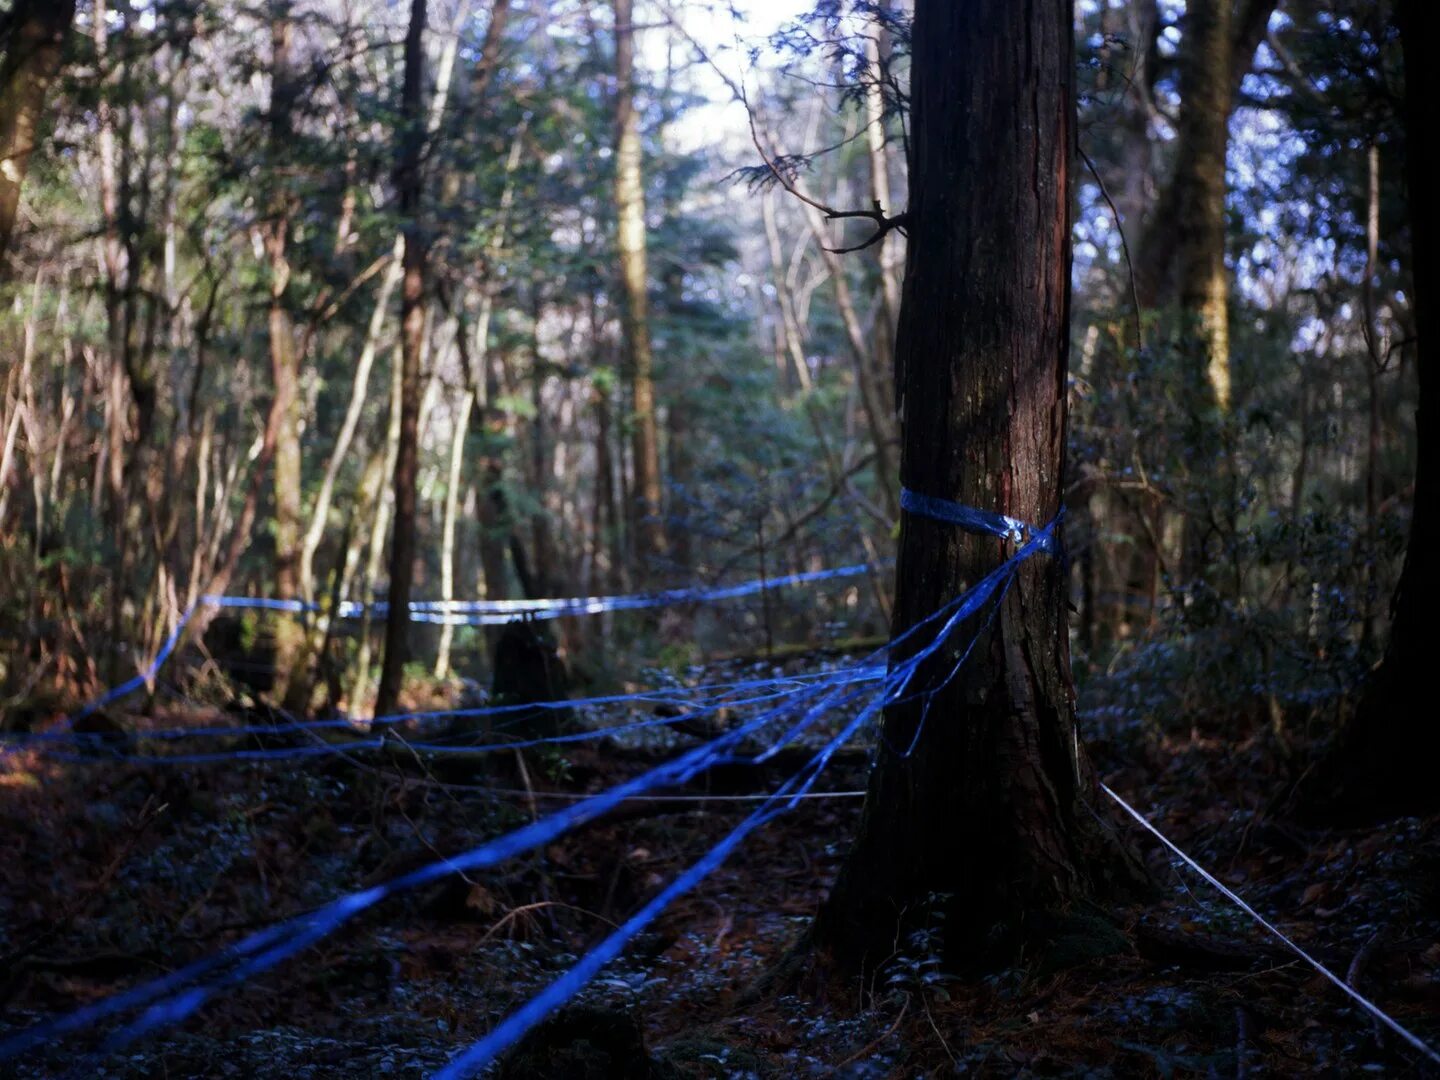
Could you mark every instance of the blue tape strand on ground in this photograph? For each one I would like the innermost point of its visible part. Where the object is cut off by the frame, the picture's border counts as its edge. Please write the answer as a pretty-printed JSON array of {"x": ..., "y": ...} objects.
[
  {"x": 172, "y": 998},
  {"x": 100, "y": 754},
  {"x": 168, "y": 999},
  {"x": 698, "y": 701},
  {"x": 554, "y": 996},
  {"x": 513, "y": 1027}
]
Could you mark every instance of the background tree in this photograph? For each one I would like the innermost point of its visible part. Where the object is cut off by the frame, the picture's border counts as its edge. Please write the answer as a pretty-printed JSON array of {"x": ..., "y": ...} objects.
[
  {"x": 285, "y": 360},
  {"x": 408, "y": 186},
  {"x": 630, "y": 242},
  {"x": 1380, "y": 765},
  {"x": 33, "y": 36}
]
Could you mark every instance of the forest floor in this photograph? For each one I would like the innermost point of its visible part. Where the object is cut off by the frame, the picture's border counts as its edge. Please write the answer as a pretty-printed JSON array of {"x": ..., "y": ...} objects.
[{"x": 116, "y": 872}]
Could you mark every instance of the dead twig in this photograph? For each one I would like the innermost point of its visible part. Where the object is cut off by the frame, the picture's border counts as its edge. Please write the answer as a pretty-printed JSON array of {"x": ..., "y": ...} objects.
[{"x": 525, "y": 909}]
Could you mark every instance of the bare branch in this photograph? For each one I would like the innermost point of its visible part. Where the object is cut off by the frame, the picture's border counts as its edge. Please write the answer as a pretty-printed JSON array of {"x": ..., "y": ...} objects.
[{"x": 776, "y": 163}]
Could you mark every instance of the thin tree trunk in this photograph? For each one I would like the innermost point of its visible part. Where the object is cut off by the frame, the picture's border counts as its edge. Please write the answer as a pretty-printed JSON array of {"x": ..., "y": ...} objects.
[
  {"x": 115, "y": 259},
  {"x": 359, "y": 393},
  {"x": 1373, "y": 366},
  {"x": 635, "y": 306},
  {"x": 792, "y": 335},
  {"x": 874, "y": 393},
  {"x": 379, "y": 528},
  {"x": 447, "y": 530},
  {"x": 412, "y": 330},
  {"x": 284, "y": 361}
]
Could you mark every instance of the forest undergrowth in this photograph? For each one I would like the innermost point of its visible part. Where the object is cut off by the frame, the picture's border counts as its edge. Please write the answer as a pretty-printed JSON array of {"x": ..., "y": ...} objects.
[{"x": 121, "y": 872}]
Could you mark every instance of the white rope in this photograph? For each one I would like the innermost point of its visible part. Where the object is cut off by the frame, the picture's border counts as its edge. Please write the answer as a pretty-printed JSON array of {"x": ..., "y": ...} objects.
[{"x": 1359, "y": 998}]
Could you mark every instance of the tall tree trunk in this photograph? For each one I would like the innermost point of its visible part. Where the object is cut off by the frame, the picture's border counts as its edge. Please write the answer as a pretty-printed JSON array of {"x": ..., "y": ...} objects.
[
  {"x": 412, "y": 331},
  {"x": 1203, "y": 285},
  {"x": 120, "y": 272},
  {"x": 379, "y": 526},
  {"x": 360, "y": 387},
  {"x": 987, "y": 811},
  {"x": 453, "y": 480},
  {"x": 1374, "y": 365},
  {"x": 635, "y": 306},
  {"x": 1181, "y": 267},
  {"x": 284, "y": 360},
  {"x": 1383, "y": 762},
  {"x": 1207, "y": 64},
  {"x": 1192, "y": 246},
  {"x": 473, "y": 363},
  {"x": 490, "y": 507},
  {"x": 36, "y": 32}
]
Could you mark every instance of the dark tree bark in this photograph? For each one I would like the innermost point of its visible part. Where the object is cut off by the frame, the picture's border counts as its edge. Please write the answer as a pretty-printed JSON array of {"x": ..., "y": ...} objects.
[
  {"x": 33, "y": 36},
  {"x": 987, "y": 812},
  {"x": 1383, "y": 763},
  {"x": 412, "y": 331}
]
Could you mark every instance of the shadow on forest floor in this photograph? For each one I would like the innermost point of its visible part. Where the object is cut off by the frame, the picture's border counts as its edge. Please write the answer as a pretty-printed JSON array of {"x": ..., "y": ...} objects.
[{"x": 119, "y": 872}]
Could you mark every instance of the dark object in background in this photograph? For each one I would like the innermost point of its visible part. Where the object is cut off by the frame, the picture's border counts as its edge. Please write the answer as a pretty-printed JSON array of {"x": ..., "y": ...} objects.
[
  {"x": 582, "y": 1043},
  {"x": 528, "y": 668},
  {"x": 244, "y": 649},
  {"x": 102, "y": 734}
]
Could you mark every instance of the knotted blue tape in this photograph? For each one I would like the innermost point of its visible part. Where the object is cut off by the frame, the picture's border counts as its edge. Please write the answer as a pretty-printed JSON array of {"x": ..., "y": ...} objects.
[{"x": 973, "y": 519}]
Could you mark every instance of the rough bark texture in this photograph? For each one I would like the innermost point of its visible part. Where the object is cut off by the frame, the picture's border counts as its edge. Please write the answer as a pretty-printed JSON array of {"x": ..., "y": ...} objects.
[
  {"x": 635, "y": 309},
  {"x": 1383, "y": 763},
  {"x": 33, "y": 35},
  {"x": 412, "y": 339},
  {"x": 987, "y": 811}
]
